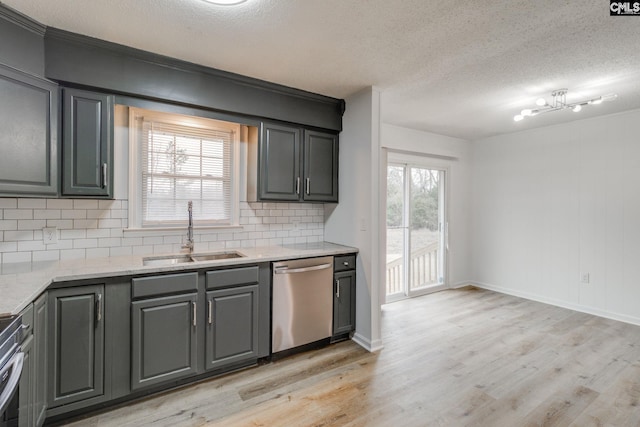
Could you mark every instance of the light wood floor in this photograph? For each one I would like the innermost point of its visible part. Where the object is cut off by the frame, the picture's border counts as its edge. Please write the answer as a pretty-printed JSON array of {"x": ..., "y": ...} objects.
[{"x": 455, "y": 358}]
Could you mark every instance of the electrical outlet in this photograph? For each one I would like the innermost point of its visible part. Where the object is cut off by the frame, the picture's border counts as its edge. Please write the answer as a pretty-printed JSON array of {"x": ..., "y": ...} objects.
[
  {"x": 49, "y": 235},
  {"x": 584, "y": 277}
]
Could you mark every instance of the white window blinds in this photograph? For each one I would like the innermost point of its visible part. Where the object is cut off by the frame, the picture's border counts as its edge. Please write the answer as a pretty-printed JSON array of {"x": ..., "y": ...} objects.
[{"x": 182, "y": 162}]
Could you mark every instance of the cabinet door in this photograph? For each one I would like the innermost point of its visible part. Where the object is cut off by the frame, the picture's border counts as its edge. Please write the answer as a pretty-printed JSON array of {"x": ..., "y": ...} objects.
[
  {"x": 29, "y": 136},
  {"x": 87, "y": 143},
  {"x": 76, "y": 344},
  {"x": 27, "y": 386},
  {"x": 344, "y": 289},
  {"x": 279, "y": 163},
  {"x": 40, "y": 345},
  {"x": 163, "y": 339},
  {"x": 320, "y": 167},
  {"x": 232, "y": 326}
]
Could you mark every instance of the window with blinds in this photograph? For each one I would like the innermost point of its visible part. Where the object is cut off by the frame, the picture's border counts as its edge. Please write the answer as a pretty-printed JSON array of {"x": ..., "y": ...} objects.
[{"x": 185, "y": 159}]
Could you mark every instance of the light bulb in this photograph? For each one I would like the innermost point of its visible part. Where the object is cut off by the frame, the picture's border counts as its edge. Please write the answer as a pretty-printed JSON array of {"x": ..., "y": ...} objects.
[
  {"x": 541, "y": 102},
  {"x": 526, "y": 112},
  {"x": 577, "y": 108},
  {"x": 518, "y": 117}
]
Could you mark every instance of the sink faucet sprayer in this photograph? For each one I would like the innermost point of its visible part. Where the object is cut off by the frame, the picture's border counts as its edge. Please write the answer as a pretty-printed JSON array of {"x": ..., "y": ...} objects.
[{"x": 189, "y": 244}]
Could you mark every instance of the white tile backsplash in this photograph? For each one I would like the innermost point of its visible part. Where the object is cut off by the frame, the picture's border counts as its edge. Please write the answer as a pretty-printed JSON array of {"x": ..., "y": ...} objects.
[{"x": 94, "y": 228}]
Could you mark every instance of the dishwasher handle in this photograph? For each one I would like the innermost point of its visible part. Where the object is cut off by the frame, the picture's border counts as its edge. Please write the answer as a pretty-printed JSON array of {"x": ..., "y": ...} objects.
[{"x": 285, "y": 270}]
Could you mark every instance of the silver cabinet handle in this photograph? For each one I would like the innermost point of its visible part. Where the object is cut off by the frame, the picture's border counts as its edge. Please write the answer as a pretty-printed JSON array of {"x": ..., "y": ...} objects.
[
  {"x": 337, "y": 288},
  {"x": 193, "y": 303},
  {"x": 346, "y": 263},
  {"x": 308, "y": 184},
  {"x": 210, "y": 312},
  {"x": 298, "y": 185},
  {"x": 104, "y": 175},
  {"x": 285, "y": 270},
  {"x": 99, "y": 308}
]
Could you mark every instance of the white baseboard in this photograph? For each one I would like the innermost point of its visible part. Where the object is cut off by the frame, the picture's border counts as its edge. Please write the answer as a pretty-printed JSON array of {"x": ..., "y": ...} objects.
[
  {"x": 462, "y": 284},
  {"x": 367, "y": 344},
  {"x": 576, "y": 307}
]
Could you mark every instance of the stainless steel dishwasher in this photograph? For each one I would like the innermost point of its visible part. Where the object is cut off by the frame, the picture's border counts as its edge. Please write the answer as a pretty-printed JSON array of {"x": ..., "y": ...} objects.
[{"x": 302, "y": 302}]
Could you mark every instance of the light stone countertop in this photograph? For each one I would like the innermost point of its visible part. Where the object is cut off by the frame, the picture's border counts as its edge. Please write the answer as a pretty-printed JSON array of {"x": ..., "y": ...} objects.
[{"x": 22, "y": 283}]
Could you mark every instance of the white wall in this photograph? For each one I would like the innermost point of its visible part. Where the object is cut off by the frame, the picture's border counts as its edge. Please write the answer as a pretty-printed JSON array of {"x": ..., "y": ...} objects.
[
  {"x": 355, "y": 220},
  {"x": 552, "y": 203},
  {"x": 454, "y": 155}
]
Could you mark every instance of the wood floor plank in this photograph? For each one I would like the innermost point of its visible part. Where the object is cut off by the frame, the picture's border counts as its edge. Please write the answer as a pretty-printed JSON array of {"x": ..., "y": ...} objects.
[{"x": 466, "y": 357}]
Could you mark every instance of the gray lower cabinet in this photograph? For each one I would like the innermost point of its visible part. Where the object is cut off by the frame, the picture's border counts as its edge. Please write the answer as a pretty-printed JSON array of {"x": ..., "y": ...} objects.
[
  {"x": 29, "y": 136},
  {"x": 87, "y": 143},
  {"x": 76, "y": 345},
  {"x": 27, "y": 379},
  {"x": 344, "y": 295},
  {"x": 40, "y": 362},
  {"x": 296, "y": 164},
  {"x": 163, "y": 339},
  {"x": 232, "y": 326},
  {"x": 27, "y": 386}
]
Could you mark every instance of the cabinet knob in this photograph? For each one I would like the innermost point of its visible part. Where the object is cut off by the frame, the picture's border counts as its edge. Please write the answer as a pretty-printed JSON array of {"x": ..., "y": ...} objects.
[{"x": 346, "y": 263}]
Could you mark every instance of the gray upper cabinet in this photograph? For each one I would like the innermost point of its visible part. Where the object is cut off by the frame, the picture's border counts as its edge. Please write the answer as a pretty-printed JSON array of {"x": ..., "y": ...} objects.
[
  {"x": 28, "y": 134},
  {"x": 76, "y": 345},
  {"x": 291, "y": 169},
  {"x": 232, "y": 326},
  {"x": 163, "y": 339},
  {"x": 320, "y": 167},
  {"x": 280, "y": 154},
  {"x": 87, "y": 144}
]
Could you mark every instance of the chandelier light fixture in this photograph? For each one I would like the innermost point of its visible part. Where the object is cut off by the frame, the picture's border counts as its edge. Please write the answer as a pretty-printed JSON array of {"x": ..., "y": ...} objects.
[{"x": 559, "y": 102}]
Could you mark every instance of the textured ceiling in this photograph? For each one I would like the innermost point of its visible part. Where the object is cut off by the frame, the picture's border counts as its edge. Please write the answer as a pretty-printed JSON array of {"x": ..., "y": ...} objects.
[{"x": 459, "y": 68}]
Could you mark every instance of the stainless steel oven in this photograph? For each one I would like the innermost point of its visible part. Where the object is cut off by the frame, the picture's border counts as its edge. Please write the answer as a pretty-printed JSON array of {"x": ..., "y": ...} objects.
[{"x": 11, "y": 360}]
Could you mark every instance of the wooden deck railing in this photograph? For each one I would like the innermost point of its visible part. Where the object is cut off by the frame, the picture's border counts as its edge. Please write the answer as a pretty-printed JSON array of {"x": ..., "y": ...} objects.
[{"x": 423, "y": 265}]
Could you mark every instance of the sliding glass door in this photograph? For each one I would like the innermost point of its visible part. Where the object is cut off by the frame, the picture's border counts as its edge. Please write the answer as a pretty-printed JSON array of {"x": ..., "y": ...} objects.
[{"x": 415, "y": 230}]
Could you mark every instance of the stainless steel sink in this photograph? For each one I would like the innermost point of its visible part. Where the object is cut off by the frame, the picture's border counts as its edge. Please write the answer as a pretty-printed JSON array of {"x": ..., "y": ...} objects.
[
  {"x": 216, "y": 256},
  {"x": 162, "y": 260},
  {"x": 166, "y": 260}
]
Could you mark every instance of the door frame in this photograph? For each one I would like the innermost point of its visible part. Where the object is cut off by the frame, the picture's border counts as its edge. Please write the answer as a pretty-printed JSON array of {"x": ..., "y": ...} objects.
[{"x": 425, "y": 161}]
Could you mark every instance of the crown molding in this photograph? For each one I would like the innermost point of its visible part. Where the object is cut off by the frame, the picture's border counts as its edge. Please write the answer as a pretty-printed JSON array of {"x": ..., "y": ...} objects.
[{"x": 22, "y": 20}]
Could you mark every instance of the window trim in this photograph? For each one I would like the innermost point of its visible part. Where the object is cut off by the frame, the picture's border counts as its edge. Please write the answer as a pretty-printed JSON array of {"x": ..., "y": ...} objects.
[{"x": 135, "y": 172}]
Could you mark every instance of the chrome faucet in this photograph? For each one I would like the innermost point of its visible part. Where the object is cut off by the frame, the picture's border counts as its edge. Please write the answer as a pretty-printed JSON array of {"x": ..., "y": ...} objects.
[{"x": 189, "y": 244}]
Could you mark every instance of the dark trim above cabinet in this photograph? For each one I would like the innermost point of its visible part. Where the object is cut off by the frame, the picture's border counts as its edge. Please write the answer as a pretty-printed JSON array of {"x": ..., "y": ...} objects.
[
  {"x": 28, "y": 135},
  {"x": 90, "y": 62},
  {"x": 87, "y": 143}
]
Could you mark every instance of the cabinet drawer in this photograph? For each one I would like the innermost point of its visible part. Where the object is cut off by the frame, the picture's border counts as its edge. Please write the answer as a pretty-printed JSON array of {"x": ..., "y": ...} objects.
[
  {"x": 233, "y": 276},
  {"x": 342, "y": 263},
  {"x": 158, "y": 285}
]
